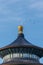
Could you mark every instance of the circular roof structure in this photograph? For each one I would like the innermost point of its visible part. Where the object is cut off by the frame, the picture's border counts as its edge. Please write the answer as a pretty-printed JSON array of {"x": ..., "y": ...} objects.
[{"x": 21, "y": 42}]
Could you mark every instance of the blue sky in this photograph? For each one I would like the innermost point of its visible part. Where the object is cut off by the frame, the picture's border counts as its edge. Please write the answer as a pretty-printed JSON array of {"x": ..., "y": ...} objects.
[{"x": 28, "y": 13}]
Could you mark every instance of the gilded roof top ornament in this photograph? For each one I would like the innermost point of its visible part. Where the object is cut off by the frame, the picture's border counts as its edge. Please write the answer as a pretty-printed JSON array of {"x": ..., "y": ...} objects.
[{"x": 20, "y": 29}]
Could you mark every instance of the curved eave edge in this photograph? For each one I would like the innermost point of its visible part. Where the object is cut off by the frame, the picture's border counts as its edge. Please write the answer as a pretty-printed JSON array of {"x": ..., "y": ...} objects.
[{"x": 25, "y": 46}]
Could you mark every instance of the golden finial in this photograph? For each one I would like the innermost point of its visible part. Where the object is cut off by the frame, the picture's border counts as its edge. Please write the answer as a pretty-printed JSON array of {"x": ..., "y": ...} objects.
[{"x": 20, "y": 29}]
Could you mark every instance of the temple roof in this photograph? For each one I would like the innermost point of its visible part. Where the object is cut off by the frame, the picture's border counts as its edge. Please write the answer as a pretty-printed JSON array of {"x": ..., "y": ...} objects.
[{"x": 22, "y": 42}]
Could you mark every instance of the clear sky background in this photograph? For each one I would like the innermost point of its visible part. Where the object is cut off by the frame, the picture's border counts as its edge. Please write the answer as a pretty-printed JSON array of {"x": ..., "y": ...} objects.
[{"x": 28, "y": 13}]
